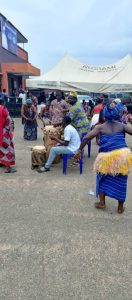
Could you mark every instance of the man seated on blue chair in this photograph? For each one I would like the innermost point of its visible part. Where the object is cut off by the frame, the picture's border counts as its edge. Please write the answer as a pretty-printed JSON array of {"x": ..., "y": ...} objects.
[{"x": 69, "y": 145}]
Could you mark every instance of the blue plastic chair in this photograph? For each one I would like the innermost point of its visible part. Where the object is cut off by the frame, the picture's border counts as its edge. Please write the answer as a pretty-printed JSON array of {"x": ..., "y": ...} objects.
[
  {"x": 65, "y": 158},
  {"x": 88, "y": 144}
]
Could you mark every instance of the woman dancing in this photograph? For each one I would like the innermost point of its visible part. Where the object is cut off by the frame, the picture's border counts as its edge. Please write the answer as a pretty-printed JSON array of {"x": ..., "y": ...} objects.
[{"x": 114, "y": 160}]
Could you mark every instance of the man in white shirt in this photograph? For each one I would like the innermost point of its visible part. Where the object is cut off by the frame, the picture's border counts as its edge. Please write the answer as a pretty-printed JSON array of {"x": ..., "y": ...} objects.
[
  {"x": 22, "y": 96},
  {"x": 69, "y": 145}
]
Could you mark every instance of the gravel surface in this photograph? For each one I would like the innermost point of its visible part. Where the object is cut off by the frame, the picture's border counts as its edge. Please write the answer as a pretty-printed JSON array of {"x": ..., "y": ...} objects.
[{"x": 54, "y": 244}]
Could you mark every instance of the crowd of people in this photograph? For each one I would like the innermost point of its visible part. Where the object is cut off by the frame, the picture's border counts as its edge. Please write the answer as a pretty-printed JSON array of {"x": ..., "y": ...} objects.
[{"x": 109, "y": 124}]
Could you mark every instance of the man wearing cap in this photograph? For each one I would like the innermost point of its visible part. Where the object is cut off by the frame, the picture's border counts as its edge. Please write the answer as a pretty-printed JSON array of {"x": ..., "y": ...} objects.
[
  {"x": 77, "y": 114},
  {"x": 69, "y": 145}
]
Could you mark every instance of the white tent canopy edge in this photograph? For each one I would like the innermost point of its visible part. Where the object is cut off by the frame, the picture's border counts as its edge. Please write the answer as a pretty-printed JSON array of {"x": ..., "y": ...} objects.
[{"x": 70, "y": 74}]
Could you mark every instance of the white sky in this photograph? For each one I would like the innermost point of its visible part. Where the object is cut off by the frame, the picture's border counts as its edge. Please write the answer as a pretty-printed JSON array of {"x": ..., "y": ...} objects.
[{"x": 93, "y": 31}]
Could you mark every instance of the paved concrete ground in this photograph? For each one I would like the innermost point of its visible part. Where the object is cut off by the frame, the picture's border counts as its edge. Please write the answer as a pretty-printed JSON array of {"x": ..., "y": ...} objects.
[{"x": 53, "y": 243}]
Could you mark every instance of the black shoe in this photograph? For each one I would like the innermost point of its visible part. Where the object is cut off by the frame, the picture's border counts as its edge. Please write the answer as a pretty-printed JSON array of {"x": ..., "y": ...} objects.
[
  {"x": 10, "y": 170},
  {"x": 43, "y": 169}
]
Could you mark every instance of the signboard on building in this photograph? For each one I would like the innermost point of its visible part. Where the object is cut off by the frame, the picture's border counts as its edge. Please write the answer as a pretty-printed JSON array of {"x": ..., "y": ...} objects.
[{"x": 9, "y": 37}]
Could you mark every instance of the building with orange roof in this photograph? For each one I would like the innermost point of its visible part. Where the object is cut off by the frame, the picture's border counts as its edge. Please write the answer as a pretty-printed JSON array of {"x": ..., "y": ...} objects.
[{"x": 14, "y": 63}]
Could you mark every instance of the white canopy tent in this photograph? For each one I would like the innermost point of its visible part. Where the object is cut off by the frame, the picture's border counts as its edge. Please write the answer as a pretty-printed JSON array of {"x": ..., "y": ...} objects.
[{"x": 71, "y": 74}]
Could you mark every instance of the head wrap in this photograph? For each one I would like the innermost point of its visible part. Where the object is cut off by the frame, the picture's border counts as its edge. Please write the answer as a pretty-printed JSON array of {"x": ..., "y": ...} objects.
[
  {"x": 113, "y": 112},
  {"x": 73, "y": 94},
  {"x": 29, "y": 101},
  {"x": 117, "y": 100}
]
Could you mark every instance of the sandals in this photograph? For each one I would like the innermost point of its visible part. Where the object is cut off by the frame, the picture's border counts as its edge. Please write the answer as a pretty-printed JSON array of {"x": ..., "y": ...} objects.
[
  {"x": 75, "y": 163},
  {"x": 10, "y": 170}
]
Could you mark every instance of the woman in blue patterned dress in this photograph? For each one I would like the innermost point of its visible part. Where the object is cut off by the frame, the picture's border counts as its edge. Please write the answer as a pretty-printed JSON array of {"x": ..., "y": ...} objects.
[
  {"x": 114, "y": 160},
  {"x": 29, "y": 114}
]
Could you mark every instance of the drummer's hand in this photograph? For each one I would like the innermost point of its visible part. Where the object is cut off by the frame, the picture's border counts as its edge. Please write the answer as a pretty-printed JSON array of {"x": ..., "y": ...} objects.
[
  {"x": 52, "y": 137},
  {"x": 77, "y": 156}
]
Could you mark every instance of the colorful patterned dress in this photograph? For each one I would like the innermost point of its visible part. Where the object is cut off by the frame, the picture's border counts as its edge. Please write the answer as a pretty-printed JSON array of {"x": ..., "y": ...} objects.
[
  {"x": 79, "y": 119},
  {"x": 56, "y": 111},
  {"x": 7, "y": 153},
  {"x": 30, "y": 127}
]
